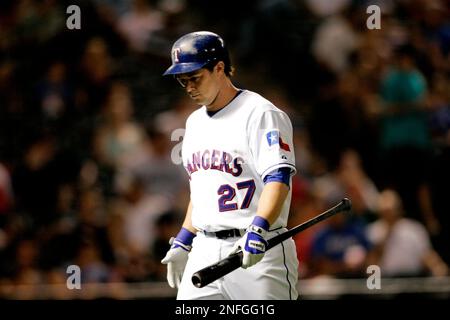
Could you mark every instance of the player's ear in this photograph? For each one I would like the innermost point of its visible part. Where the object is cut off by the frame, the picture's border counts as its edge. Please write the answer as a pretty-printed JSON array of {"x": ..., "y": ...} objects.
[{"x": 220, "y": 67}]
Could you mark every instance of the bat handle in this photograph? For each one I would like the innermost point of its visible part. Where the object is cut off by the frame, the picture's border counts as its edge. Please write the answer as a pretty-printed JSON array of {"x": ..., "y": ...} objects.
[{"x": 211, "y": 273}]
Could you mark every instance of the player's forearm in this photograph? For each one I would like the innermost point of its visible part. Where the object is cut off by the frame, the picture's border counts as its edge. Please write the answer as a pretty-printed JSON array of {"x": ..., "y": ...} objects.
[
  {"x": 271, "y": 201},
  {"x": 187, "y": 223}
]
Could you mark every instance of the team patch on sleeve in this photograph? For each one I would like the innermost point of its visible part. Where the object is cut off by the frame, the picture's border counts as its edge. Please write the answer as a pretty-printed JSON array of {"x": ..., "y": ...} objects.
[{"x": 274, "y": 137}]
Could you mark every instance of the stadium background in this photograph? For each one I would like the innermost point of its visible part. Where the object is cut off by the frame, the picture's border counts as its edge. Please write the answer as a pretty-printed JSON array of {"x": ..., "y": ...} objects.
[{"x": 86, "y": 175}]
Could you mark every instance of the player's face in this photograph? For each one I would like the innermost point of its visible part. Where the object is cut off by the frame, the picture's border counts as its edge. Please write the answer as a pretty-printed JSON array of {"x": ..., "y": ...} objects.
[{"x": 202, "y": 85}]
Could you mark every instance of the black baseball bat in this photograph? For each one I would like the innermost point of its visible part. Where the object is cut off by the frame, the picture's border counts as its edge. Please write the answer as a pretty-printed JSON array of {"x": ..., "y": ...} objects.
[{"x": 215, "y": 271}]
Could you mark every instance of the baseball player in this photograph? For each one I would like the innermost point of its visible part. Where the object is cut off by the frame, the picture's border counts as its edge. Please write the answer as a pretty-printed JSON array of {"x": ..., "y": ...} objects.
[{"x": 238, "y": 153}]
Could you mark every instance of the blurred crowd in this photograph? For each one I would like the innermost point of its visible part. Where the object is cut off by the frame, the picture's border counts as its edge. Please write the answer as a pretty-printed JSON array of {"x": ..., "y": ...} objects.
[{"x": 89, "y": 131}]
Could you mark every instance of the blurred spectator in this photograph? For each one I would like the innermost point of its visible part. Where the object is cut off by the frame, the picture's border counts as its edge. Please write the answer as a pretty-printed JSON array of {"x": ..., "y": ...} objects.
[
  {"x": 404, "y": 136},
  {"x": 68, "y": 237},
  {"x": 115, "y": 8},
  {"x": 401, "y": 245},
  {"x": 95, "y": 70},
  {"x": 38, "y": 168},
  {"x": 38, "y": 21},
  {"x": 344, "y": 99},
  {"x": 325, "y": 8},
  {"x": 88, "y": 258},
  {"x": 138, "y": 24},
  {"x": 335, "y": 39},
  {"x": 348, "y": 180},
  {"x": 403, "y": 85},
  {"x": 173, "y": 119},
  {"x": 56, "y": 240},
  {"x": 436, "y": 29},
  {"x": 116, "y": 232},
  {"x": 54, "y": 93},
  {"x": 339, "y": 249},
  {"x": 155, "y": 163},
  {"x": 141, "y": 211},
  {"x": 26, "y": 269},
  {"x": 118, "y": 138},
  {"x": 357, "y": 185},
  {"x": 133, "y": 251}
]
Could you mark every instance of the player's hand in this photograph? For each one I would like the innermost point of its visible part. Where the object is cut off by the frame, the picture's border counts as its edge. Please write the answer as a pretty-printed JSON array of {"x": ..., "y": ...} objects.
[
  {"x": 253, "y": 244},
  {"x": 177, "y": 257}
]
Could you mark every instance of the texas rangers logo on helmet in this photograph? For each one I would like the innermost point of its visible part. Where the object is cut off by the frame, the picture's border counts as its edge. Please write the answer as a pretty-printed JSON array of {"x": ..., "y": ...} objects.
[{"x": 175, "y": 55}]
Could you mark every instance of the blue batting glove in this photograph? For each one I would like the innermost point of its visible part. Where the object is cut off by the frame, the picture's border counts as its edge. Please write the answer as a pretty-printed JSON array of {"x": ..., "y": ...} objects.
[{"x": 253, "y": 244}]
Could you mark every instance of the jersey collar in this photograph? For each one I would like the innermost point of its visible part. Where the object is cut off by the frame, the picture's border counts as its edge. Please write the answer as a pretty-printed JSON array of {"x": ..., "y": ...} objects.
[{"x": 212, "y": 113}]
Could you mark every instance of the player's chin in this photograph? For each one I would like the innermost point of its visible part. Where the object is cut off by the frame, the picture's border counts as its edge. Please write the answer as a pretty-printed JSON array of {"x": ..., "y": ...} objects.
[
  {"x": 201, "y": 101},
  {"x": 197, "y": 98}
]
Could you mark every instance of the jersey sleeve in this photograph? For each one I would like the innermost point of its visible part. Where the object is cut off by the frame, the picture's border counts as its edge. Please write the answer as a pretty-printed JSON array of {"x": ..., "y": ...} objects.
[
  {"x": 271, "y": 142},
  {"x": 282, "y": 175}
]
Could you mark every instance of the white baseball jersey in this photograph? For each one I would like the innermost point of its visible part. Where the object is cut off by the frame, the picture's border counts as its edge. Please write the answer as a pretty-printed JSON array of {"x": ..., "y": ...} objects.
[{"x": 227, "y": 155}]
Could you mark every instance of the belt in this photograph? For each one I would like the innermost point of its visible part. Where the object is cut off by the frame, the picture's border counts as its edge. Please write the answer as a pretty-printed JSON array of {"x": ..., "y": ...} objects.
[{"x": 224, "y": 234}]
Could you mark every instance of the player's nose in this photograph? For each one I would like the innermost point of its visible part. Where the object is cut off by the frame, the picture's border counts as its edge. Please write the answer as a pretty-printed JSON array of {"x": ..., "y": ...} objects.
[{"x": 190, "y": 87}]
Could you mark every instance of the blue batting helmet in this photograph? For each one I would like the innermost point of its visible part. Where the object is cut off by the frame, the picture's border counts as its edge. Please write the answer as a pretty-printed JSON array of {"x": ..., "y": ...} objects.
[{"x": 195, "y": 50}]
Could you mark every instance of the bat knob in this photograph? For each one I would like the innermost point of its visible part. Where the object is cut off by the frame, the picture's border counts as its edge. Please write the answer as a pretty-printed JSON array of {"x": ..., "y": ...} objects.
[
  {"x": 196, "y": 280},
  {"x": 346, "y": 204}
]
